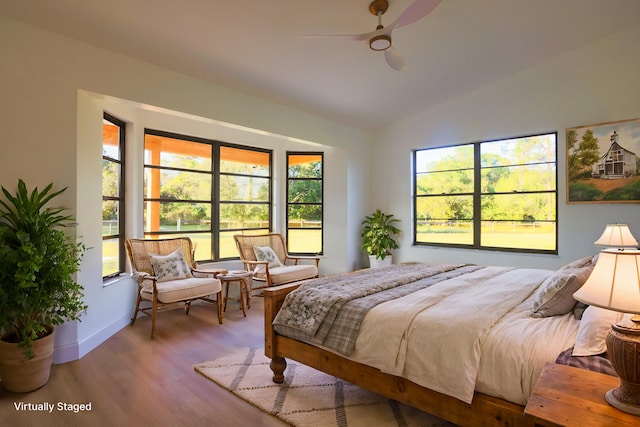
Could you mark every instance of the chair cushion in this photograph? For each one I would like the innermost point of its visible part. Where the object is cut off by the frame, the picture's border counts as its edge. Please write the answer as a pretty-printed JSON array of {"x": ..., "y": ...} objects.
[
  {"x": 183, "y": 289},
  {"x": 170, "y": 267},
  {"x": 292, "y": 273}
]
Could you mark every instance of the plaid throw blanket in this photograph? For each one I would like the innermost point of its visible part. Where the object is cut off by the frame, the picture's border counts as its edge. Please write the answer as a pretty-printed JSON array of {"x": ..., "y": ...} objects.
[
  {"x": 597, "y": 363},
  {"x": 329, "y": 311}
]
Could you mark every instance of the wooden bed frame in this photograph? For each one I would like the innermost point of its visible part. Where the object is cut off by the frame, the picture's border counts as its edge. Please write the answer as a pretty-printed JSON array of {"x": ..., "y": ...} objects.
[{"x": 482, "y": 412}]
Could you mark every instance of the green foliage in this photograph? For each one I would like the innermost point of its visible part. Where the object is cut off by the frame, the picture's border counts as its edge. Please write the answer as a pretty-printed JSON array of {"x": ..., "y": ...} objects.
[
  {"x": 377, "y": 234},
  {"x": 584, "y": 192},
  {"x": 628, "y": 192},
  {"x": 511, "y": 174},
  {"x": 37, "y": 288},
  {"x": 305, "y": 191},
  {"x": 581, "y": 159}
]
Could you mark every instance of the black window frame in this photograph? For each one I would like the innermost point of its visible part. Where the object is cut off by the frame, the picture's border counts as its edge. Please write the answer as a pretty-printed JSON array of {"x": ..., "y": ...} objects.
[
  {"x": 477, "y": 195},
  {"x": 121, "y": 198},
  {"x": 215, "y": 201},
  {"x": 289, "y": 154}
]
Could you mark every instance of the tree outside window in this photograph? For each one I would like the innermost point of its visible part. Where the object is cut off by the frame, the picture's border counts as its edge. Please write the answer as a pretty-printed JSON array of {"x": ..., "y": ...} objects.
[
  {"x": 304, "y": 202},
  {"x": 205, "y": 190}
]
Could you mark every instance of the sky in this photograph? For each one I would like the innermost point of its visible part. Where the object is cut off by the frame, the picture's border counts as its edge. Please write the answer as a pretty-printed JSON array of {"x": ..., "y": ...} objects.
[{"x": 628, "y": 134}]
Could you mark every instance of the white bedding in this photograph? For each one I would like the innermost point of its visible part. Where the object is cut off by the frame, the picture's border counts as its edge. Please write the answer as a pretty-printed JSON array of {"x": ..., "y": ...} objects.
[
  {"x": 481, "y": 318},
  {"x": 517, "y": 349}
]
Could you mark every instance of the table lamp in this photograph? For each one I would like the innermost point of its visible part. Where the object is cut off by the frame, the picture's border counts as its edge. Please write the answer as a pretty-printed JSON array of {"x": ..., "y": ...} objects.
[
  {"x": 614, "y": 284},
  {"x": 617, "y": 235}
]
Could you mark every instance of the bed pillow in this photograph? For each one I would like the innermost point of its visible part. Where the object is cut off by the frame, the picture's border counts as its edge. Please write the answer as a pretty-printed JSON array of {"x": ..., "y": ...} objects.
[
  {"x": 170, "y": 267},
  {"x": 592, "y": 332},
  {"x": 581, "y": 263},
  {"x": 555, "y": 296},
  {"x": 578, "y": 310},
  {"x": 265, "y": 253}
]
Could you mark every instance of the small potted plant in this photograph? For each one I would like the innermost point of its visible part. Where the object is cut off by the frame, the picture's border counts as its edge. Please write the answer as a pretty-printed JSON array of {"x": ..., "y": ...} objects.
[
  {"x": 378, "y": 237},
  {"x": 37, "y": 286}
]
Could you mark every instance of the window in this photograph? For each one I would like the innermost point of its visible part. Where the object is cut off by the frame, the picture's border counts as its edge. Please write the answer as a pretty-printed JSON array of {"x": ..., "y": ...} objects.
[
  {"x": 245, "y": 195},
  {"x": 113, "y": 254},
  {"x": 205, "y": 190},
  {"x": 304, "y": 202},
  {"x": 498, "y": 195}
]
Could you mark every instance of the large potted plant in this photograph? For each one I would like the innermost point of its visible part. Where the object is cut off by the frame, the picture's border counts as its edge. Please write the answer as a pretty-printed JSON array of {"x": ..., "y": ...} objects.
[
  {"x": 378, "y": 237},
  {"x": 37, "y": 286}
]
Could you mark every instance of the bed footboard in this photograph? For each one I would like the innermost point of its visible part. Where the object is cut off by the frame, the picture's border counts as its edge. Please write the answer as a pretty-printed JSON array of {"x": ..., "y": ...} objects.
[{"x": 482, "y": 412}]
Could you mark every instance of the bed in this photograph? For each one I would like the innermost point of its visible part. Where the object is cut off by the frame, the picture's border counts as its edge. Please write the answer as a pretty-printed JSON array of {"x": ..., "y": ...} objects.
[{"x": 369, "y": 328}]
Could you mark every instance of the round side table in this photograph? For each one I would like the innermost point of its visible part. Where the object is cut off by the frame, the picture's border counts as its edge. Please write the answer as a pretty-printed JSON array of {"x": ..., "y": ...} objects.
[
  {"x": 214, "y": 271},
  {"x": 240, "y": 277}
]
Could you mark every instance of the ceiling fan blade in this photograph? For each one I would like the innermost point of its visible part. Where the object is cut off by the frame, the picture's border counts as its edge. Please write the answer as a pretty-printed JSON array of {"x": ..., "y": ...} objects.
[
  {"x": 416, "y": 11},
  {"x": 356, "y": 37},
  {"x": 394, "y": 59}
]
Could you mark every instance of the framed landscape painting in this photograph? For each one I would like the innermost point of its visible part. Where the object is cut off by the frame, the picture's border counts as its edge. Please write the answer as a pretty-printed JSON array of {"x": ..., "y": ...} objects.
[{"x": 603, "y": 163}]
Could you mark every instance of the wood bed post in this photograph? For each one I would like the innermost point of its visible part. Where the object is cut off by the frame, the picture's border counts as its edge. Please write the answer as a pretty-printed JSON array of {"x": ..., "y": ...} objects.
[
  {"x": 278, "y": 365},
  {"x": 273, "y": 299}
]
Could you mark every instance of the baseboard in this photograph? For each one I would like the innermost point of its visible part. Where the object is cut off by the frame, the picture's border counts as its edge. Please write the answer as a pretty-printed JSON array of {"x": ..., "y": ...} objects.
[{"x": 77, "y": 350}]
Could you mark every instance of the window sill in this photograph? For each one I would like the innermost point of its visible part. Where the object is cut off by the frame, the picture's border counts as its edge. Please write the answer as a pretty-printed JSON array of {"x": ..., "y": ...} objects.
[{"x": 113, "y": 280}]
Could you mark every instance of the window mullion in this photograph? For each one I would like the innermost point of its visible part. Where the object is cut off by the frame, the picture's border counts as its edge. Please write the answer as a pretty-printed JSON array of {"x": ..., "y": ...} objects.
[
  {"x": 477, "y": 190},
  {"x": 215, "y": 200}
]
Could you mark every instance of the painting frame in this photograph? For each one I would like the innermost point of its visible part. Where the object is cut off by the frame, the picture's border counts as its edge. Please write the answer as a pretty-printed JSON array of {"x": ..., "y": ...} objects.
[{"x": 603, "y": 162}]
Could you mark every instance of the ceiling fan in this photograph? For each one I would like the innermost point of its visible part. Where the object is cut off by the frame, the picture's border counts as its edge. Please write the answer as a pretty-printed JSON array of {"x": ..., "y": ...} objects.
[{"x": 380, "y": 38}]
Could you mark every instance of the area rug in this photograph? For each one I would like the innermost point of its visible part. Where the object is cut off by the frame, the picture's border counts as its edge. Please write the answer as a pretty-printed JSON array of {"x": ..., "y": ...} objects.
[{"x": 309, "y": 397}]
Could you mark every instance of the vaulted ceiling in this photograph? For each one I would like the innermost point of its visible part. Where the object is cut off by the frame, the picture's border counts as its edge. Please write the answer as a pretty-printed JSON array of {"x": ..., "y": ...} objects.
[{"x": 259, "y": 47}]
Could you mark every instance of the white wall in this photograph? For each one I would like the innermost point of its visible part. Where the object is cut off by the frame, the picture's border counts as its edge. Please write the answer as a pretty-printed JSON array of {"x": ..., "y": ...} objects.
[
  {"x": 54, "y": 91},
  {"x": 597, "y": 83}
]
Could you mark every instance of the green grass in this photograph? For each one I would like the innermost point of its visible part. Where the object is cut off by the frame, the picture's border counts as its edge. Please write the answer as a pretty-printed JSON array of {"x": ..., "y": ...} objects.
[{"x": 528, "y": 239}]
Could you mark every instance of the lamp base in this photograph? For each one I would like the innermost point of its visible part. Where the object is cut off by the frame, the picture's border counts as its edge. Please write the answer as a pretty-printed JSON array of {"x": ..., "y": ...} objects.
[
  {"x": 623, "y": 348},
  {"x": 611, "y": 398}
]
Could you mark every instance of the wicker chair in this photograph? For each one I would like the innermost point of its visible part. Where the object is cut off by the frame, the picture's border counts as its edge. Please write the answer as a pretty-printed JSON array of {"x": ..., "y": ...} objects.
[
  {"x": 165, "y": 290},
  {"x": 289, "y": 269}
]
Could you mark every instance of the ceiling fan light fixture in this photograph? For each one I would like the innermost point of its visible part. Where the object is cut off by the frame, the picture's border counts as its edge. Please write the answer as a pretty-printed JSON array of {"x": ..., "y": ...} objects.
[{"x": 381, "y": 42}]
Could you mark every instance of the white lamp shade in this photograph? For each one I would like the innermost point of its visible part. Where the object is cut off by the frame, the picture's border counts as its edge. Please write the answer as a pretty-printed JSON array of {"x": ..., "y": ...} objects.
[
  {"x": 614, "y": 283},
  {"x": 617, "y": 235}
]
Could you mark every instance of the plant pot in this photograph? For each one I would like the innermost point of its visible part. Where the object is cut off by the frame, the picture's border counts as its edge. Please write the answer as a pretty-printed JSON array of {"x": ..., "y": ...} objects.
[
  {"x": 376, "y": 262},
  {"x": 19, "y": 374}
]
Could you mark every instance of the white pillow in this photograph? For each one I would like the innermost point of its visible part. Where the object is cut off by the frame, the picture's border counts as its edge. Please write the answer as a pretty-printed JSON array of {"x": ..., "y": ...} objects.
[
  {"x": 170, "y": 267},
  {"x": 265, "y": 253},
  {"x": 592, "y": 333}
]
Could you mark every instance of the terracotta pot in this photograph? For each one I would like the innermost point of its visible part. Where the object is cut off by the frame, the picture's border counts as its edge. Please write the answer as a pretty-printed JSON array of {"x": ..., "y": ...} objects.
[{"x": 21, "y": 375}]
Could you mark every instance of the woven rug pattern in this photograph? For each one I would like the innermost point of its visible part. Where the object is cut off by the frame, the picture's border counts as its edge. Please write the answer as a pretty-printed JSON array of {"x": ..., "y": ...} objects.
[{"x": 309, "y": 397}]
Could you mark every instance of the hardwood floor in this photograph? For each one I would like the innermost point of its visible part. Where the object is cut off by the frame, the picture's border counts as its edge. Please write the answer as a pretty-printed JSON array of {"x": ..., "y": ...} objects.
[{"x": 133, "y": 380}]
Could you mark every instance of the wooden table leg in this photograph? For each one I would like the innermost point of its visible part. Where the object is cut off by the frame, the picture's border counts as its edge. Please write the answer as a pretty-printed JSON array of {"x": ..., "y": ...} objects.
[
  {"x": 226, "y": 294},
  {"x": 243, "y": 296},
  {"x": 248, "y": 285},
  {"x": 242, "y": 293}
]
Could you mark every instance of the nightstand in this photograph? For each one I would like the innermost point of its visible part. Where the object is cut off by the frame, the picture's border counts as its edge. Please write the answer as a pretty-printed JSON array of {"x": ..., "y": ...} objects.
[{"x": 568, "y": 396}]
